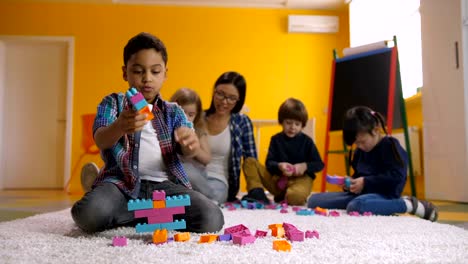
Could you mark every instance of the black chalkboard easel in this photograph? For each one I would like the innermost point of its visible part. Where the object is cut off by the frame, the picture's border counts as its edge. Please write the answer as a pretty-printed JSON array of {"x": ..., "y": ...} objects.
[{"x": 371, "y": 78}]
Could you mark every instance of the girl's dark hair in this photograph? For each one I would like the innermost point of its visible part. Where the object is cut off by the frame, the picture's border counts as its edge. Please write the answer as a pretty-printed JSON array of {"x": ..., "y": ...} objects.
[
  {"x": 144, "y": 41},
  {"x": 186, "y": 96},
  {"x": 362, "y": 119},
  {"x": 238, "y": 81},
  {"x": 293, "y": 109}
]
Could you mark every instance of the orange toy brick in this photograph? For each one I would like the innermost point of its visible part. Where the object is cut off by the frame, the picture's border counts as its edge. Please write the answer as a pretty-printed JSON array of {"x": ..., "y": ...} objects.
[
  {"x": 182, "y": 237},
  {"x": 159, "y": 204},
  {"x": 208, "y": 238},
  {"x": 160, "y": 236},
  {"x": 278, "y": 231},
  {"x": 281, "y": 245}
]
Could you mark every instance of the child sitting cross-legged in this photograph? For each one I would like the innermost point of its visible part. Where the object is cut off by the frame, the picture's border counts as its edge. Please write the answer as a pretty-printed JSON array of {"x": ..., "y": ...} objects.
[
  {"x": 380, "y": 165},
  {"x": 291, "y": 163}
]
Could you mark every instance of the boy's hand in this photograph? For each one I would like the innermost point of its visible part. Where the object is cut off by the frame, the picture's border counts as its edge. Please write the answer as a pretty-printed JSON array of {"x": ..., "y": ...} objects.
[
  {"x": 286, "y": 168},
  {"x": 188, "y": 140},
  {"x": 131, "y": 121},
  {"x": 357, "y": 185},
  {"x": 300, "y": 169}
]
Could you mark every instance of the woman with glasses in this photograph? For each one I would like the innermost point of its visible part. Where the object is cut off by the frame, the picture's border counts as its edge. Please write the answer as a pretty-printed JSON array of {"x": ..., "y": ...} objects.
[{"x": 230, "y": 135}]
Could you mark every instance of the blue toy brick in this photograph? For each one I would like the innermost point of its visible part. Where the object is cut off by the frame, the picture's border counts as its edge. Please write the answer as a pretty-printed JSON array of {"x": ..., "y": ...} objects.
[
  {"x": 177, "y": 224},
  {"x": 142, "y": 228},
  {"x": 178, "y": 200},
  {"x": 139, "y": 204},
  {"x": 305, "y": 212},
  {"x": 140, "y": 105}
]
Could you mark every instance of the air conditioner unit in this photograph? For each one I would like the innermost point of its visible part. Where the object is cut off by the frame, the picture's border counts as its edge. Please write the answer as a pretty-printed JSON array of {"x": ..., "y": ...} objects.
[{"x": 312, "y": 24}]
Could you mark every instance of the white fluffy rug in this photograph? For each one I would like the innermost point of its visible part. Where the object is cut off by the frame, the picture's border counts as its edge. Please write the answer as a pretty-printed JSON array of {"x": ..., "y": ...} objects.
[{"x": 53, "y": 238}]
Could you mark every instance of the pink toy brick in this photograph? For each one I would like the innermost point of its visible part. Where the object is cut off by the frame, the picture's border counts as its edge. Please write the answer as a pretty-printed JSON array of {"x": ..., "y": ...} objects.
[
  {"x": 260, "y": 233},
  {"x": 242, "y": 239},
  {"x": 284, "y": 211},
  {"x": 288, "y": 227},
  {"x": 367, "y": 213},
  {"x": 296, "y": 208},
  {"x": 312, "y": 234},
  {"x": 231, "y": 208},
  {"x": 353, "y": 213},
  {"x": 159, "y": 196},
  {"x": 159, "y": 212},
  {"x": 295, "y": 235},
  {"x": 119, "y": 241},
  {"x": 334, "y": 213},
  {"x": 237, "y": 229},
  {"x": 160, "y": 219}
]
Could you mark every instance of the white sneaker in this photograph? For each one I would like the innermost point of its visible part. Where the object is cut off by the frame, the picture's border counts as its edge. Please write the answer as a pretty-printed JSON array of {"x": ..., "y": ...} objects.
[{"x": 89, "y": 173}]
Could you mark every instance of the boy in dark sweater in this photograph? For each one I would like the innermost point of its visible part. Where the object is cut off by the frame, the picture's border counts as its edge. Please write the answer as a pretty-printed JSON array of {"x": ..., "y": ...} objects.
[{"x": 291, "y": 163}]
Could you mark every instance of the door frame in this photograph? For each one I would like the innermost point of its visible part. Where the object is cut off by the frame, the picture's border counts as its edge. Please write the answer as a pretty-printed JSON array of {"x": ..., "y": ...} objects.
[{"x": 70, "y": 42}]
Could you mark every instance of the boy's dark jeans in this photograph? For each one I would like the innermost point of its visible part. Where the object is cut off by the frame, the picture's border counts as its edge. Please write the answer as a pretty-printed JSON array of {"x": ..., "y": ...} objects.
[{"x": 105, "y": 207}]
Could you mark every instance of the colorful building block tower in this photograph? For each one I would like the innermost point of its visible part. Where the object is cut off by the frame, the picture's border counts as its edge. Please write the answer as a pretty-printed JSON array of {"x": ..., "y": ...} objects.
[
  {"x": 159, "y": 211},
  {"x": 139, "y": 103}
]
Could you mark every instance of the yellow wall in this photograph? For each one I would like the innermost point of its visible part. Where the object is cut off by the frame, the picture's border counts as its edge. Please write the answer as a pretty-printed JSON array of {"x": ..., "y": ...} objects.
[{"x": 202, "y": 43}]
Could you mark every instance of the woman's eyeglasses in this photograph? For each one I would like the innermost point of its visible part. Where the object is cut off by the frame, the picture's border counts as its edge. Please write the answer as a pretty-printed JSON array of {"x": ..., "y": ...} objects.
[{"x": 229, "y": 99}]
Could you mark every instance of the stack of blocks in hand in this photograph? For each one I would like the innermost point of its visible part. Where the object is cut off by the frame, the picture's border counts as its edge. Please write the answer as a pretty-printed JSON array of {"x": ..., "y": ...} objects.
[
  {"x": 160, "y": 212},
  {"x": 139, "y": 103}
]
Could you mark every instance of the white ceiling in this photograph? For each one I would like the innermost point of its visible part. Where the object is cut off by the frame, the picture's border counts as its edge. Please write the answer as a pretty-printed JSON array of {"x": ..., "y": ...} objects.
[{"x": 289, "y": 4}]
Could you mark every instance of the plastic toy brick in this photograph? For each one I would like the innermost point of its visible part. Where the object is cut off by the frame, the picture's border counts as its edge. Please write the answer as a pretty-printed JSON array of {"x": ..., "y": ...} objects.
[
  {"x": 160, "y": 236},
  {"x": 177, "y": 224},
  {"x": 177, "y": 200},
  {"x": 260, "y": 233},
  {"x": 296, "y": 208},
  {"x": 305, "y": 212},
  {"x": 244, "y": 203},
  {"x": 159, "y": 212},
  {"x": 274, "y": 226},
  {"x": 334, "y": 213},
  {"x": 367, "y": 214},
  {"x": 119, "y": 241},
  {"x": 231, "y": 208},
  {"x": 139, "y": 102},
  {"x": 182, "y": 237},
  {"x": 242, "y": 239},
  {"x": 208, "y": 238},
  {"x": 281, "y": 245},
  {"x": 321, "y": 211},
  {"x": 159, "y": 195},
  {"x": 139, "y": 204},
  {"x": 237, "y": 229},
  {"x": 159, "y": 204},
  {"x": 295, "y": 235},
  {"x": 311, "y": 234},
  {"x": 272, "y": 206},
  {"x": 251, "y": 206},
  {"x": 224, "y": 237},
  {"x": 282, "y": 183},
  {"x": 278, "y": 232},
  {"x": 339, "y": 180},
  {"x": 288, "y": 226},
  {"x": 284, "y": 211},
  {"x": 354, "y": 213},
  {"x": 160, "y": 219}
]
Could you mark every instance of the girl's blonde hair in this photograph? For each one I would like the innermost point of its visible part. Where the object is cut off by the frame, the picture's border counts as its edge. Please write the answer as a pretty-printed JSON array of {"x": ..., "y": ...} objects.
[{"x": 186, "y": 96}]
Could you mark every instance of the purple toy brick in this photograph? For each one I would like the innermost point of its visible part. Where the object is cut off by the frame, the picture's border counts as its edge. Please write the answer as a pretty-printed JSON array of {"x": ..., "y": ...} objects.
[
  {"x": 312, "y": 234},
  {"x": 119, "y": 241},
  {"x": 159, "y": 195},
  {"x": 260, "y": 233},
  {"x": 225, "y": 237},
  {"x": 242, "y": 239}
]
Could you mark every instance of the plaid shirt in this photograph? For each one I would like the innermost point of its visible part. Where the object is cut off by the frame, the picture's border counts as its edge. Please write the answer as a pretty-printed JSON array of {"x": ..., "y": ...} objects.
[
  {"x": 121, "y": 160},
  {"x": 242, "y": 145}
]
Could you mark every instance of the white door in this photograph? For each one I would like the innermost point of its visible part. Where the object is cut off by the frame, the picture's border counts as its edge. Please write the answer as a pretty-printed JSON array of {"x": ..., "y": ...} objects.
[{"x": 33, "y": 109}]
